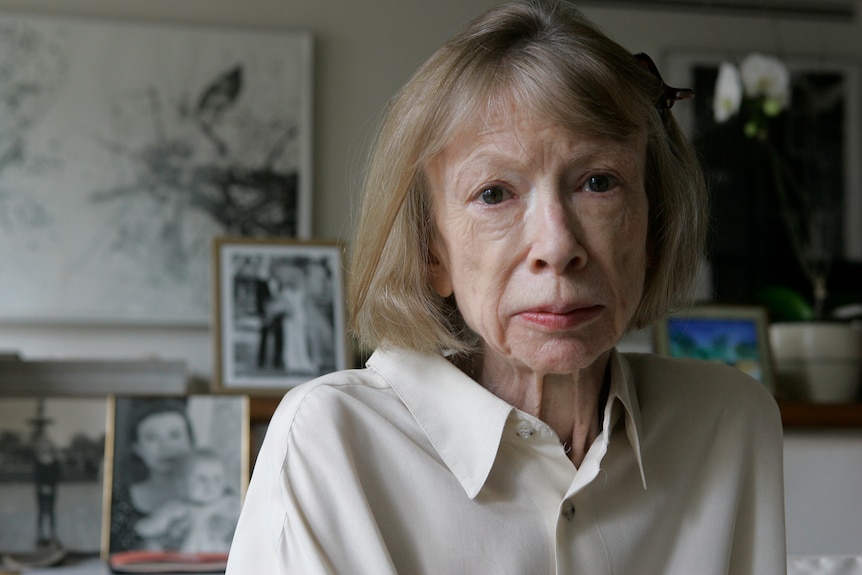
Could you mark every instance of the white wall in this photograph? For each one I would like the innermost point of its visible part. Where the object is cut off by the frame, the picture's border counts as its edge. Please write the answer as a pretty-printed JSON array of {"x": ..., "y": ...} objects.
[
  {"x": 364, "y": 50},
  {"x": 823, "y": 492}
]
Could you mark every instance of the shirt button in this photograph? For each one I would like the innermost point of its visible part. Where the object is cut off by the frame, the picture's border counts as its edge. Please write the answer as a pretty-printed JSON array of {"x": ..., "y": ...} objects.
[
  {"x": 524, "y": 431},
  {"x": 568, "y": 510}
]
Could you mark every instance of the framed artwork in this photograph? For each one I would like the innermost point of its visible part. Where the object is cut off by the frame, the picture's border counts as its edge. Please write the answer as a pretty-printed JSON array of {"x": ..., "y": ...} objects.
[
  {"x": 279, "y": 313},
  {"x": 125, "y": 147},
  {"x": 177, "y": 471},
  {"x": 820, "y": 135},
  {"x": 735, "y": 335},
  {"x": 51, "y": 472}
]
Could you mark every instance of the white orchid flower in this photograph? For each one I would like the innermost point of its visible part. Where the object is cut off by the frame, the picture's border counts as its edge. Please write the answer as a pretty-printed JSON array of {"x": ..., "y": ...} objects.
[
  {"x": 728, "y": 92},
  {"x": 767, "y": 77}
]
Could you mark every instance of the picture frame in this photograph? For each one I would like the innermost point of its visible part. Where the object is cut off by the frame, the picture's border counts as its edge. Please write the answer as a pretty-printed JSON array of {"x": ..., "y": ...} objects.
[
  {"x": 269, "y": 338},
  {"x": 177, "y": 469},
  {"x": 129, "y": 145},
  {"x": 51, "y": 482},
  {"x": 735, "y": 335}
]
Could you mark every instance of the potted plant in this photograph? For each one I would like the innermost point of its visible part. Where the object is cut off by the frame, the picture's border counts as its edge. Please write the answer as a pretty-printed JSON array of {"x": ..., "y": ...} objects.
[{"x": 816, "y": 359}]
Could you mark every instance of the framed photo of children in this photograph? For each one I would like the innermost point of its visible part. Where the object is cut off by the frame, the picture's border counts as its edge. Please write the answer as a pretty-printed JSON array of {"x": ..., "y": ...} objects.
[
  {"x": 735, "y": 335},
  {"x": 279, "y": 315},
  {"x": 176, "y": 472}
]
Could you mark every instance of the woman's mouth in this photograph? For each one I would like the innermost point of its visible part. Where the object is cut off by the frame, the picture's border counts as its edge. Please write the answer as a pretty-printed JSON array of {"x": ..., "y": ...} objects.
[{"x": 558, "y": 319}]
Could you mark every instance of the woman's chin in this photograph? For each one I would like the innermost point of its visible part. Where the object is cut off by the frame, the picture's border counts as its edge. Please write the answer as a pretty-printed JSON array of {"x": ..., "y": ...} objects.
[{"x": 560, "y": 356}]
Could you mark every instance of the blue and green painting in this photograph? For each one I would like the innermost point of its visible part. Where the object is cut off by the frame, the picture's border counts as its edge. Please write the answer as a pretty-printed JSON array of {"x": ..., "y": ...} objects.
[{"x": 732, "y": 341}]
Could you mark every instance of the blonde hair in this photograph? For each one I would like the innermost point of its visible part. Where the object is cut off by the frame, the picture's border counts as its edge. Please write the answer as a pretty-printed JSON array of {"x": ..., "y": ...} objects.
[{"x": 544, "y": 56}]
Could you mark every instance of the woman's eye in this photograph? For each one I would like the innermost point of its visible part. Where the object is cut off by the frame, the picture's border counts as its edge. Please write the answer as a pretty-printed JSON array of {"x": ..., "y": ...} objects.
[
  {"x": 600, "y": 183},
  {"x": 494, "y": 195}
]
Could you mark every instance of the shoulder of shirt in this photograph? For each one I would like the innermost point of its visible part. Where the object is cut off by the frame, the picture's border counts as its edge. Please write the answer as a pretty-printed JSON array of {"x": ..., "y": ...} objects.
[
  {"x": 328, "y": 388},
  {"x": 694, "y": 382},
  {"x": 328, "y": 398}
]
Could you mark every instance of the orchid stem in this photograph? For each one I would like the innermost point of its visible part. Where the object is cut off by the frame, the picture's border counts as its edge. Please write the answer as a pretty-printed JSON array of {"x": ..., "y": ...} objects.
[{"x": 816, "y": 274}]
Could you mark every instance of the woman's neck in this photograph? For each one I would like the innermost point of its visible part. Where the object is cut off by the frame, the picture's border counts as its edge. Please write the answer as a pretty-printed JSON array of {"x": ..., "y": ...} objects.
[{"x": 568, "y": 403}]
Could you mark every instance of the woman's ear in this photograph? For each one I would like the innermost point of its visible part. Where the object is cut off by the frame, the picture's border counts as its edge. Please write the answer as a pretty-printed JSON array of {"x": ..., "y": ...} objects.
[{"x": 438, "y": 274}]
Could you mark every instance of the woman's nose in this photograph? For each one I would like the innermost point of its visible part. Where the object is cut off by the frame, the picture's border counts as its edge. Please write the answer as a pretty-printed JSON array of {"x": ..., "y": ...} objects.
[{"x": 555, "y": 236}]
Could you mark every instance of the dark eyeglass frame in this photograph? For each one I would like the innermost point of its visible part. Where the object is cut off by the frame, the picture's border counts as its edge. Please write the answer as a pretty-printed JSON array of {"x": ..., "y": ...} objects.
[{"x": 669, "y": 95}]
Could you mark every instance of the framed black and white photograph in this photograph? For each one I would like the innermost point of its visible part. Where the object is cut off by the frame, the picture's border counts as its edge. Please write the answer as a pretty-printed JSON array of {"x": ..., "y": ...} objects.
[
  {"x": 127, "y": 146},
  {"x": 51, "y": 476},
  {"x": 178, "y": 472},
  {"x": 279, "y": 313},
  {"x": 735, "y": 335},
  {"x": 819, "y": 138}
]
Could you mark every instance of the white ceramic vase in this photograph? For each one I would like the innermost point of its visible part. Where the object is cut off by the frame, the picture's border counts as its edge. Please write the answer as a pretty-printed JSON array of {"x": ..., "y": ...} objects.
[{"x": 819, "y": 362}]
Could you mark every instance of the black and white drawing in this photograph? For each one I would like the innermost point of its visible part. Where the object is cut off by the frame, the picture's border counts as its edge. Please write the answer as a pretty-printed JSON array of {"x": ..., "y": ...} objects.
[
  {"x": 51, "y": 470},
  {"x": 124, "y": 148},
  {"x": 280, "y": 318},
  {"x": 178, "y": 475}
]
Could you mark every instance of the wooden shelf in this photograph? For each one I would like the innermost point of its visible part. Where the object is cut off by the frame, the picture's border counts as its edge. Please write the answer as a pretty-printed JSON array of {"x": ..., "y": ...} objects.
[
  {"x": 262, "y": 408},
  {"x": 801, "y": 415},
  {"x": 794, "y": 414}
]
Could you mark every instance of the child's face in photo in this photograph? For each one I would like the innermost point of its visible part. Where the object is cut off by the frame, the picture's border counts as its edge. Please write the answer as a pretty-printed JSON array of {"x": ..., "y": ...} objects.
[{"x": 206, "y": 481}]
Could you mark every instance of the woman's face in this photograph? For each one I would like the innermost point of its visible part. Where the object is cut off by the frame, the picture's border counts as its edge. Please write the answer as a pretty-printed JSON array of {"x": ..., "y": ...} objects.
[
  {"x": 163, "y": 440},
  {"x": 542, "y": 239}
]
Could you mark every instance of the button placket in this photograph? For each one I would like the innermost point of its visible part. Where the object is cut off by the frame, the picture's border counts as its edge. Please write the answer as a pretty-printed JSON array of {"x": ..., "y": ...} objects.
[{"x": 568, "y": 509}]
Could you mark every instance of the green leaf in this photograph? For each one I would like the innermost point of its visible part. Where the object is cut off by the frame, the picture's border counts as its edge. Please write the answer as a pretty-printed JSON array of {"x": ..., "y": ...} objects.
[{"x": 784, "y": 304}]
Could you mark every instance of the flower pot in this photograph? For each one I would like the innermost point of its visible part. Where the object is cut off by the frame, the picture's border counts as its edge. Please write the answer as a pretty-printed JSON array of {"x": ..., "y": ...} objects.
[{"x": 819, "y": 362}]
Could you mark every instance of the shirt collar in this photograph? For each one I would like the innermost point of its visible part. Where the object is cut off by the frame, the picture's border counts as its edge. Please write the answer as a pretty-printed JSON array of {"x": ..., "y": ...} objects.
[
  {"x": 464, "y": 421},
  {"x": 623, "y": 389}
]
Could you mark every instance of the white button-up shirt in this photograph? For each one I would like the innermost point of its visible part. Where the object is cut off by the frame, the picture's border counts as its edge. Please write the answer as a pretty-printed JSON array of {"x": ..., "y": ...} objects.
[{"x": 411, "y": 467}]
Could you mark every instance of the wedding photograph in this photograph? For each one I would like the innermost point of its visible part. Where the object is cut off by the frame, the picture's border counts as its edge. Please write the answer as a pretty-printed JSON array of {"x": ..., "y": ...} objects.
[{"x": 279, "y": 312}]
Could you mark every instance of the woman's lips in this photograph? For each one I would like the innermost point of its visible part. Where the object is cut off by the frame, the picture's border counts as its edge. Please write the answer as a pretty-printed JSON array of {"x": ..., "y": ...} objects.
[{"x": 554, "y": 319}]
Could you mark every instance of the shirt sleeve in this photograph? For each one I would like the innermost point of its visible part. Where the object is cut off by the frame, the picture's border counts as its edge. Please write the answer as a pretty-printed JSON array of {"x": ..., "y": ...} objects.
[
  {"x": 303, "y": 512},
  {"x": 713, "y": 449},
  {"x": 759, "y": 542}
]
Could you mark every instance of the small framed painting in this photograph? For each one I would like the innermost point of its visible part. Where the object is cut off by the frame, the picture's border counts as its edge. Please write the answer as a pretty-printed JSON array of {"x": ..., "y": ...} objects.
[
  {"x": 177, "y": 469},
  {"x": 279, "y": 316},
  {"x": 735, "y": 335},
  {"x": 51, "y": 462}
]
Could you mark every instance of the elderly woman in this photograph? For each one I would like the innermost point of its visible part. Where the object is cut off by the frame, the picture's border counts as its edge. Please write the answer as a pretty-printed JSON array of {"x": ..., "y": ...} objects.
[{"x": 529, "y": 200}]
